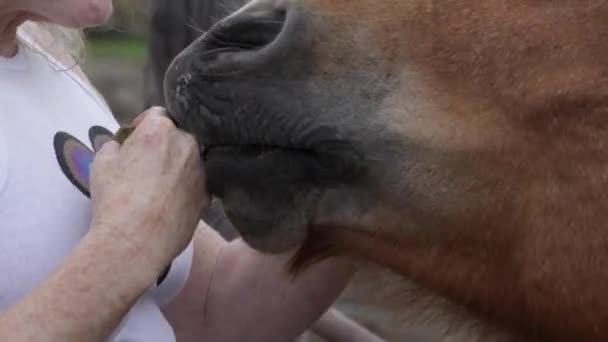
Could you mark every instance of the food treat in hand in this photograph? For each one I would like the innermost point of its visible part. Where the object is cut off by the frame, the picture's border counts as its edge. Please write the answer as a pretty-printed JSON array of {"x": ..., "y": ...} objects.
[{"x": 123, "y": 133}]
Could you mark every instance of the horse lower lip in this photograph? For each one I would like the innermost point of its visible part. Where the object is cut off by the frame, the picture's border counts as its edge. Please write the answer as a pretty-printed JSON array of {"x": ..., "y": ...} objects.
[{"x": 249, "y": 150}]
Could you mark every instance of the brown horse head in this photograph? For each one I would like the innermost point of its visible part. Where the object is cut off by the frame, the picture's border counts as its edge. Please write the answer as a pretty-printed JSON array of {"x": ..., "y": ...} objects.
[{"x": 462, "y": 143}]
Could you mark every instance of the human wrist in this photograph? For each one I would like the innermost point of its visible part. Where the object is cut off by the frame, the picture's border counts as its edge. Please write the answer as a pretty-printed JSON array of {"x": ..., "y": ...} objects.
[
  {"x": 135, "y": 257},
  {"x": 93, "y": 288}
]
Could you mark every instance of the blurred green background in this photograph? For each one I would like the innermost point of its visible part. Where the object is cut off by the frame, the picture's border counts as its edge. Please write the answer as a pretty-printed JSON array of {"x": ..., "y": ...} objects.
[{"x": 115, "y": 57}]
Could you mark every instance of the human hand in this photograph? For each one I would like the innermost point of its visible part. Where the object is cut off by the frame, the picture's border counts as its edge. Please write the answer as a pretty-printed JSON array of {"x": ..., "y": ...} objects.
[{"x": 149, "y": 192}]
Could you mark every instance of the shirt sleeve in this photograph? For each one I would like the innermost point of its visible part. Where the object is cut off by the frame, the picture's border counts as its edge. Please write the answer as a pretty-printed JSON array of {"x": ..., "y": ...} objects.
[{"x": 171, "y": 283}]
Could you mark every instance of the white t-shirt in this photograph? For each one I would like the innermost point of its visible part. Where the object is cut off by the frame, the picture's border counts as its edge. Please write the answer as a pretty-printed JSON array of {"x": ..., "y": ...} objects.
[{"x": 51, "y": 122}]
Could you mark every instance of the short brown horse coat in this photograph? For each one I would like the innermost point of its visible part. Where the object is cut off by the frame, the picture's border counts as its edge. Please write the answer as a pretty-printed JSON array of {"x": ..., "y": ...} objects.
[{"x": 502, "y": 207}]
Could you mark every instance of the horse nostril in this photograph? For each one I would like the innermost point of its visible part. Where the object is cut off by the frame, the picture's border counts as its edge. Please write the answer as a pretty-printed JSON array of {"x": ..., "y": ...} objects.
[
  {"x": 247, "y": 31},
  {"x": 251, "y": 40}
]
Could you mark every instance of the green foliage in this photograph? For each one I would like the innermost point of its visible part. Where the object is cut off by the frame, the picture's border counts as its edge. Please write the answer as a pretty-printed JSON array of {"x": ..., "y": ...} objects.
[{"x": 117, "y": 46}]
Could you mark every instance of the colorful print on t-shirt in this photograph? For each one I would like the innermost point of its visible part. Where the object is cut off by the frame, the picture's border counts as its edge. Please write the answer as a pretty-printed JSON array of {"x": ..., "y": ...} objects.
[{"x": 75, "y": 158}]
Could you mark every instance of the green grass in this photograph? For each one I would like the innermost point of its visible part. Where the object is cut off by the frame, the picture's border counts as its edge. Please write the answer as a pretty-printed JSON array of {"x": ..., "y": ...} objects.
[{"x": 132, "y": 48}]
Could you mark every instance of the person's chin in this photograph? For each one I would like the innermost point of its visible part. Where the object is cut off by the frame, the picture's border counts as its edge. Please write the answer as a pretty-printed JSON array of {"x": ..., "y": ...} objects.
[{"x": 94, "y": 13}]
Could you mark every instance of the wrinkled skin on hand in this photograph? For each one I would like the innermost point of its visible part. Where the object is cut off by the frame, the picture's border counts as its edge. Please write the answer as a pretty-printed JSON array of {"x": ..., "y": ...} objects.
[{"x": 150, "y": 191}]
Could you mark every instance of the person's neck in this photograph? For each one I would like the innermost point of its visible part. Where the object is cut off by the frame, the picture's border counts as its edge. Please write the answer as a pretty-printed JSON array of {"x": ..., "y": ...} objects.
[
  {"x": 10, "y": 20},
  {"x": 8, "y": 45}
]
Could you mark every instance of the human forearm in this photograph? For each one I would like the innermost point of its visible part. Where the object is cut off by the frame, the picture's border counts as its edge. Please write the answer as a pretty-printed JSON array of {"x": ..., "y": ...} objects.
[
  {"x": 87, "y": 295},
  {"x": 268, "y": 303},
  {"x": 235, "y": 292},
  {"x": 187, "y": 313},
  {"x": 336, "y": 327}
]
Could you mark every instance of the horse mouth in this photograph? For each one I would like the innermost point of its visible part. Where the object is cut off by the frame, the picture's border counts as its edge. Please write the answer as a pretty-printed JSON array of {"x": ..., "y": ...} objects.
[
  {"x": 268, "y": 153},
  {"x": 254, "y": 166},
  {"x": 212, "y": 151}
]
